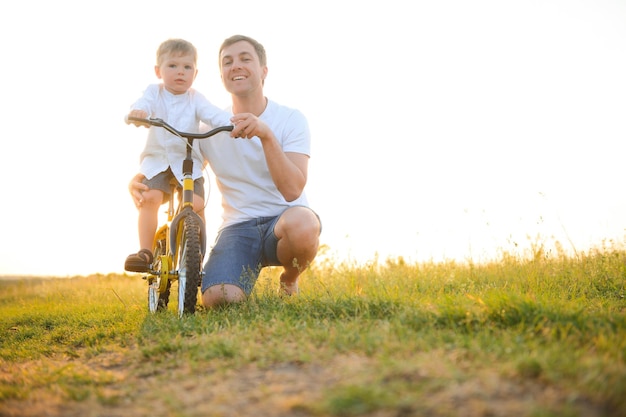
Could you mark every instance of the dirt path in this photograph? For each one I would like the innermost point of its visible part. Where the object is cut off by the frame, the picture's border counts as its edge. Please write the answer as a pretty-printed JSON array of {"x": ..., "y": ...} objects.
[{"x": 285, "y": 389}]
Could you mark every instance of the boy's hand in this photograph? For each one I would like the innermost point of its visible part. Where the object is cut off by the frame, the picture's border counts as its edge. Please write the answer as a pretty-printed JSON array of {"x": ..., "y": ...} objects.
[{"x": 140, "y": 114}]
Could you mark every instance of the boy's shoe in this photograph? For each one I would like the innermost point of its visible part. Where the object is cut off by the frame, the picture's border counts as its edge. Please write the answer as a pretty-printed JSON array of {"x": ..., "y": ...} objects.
[{"x": 139, "y": 262}]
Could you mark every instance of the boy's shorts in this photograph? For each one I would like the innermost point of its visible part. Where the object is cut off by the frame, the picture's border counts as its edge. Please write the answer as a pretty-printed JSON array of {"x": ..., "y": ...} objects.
[{"x": 161, "y": 182}]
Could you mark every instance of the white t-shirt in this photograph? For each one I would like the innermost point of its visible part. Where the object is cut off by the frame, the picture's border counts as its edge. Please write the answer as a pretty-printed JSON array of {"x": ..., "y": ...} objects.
[
  {"x": 241, "y": 172},
  {"x": 184, "y": 112}
]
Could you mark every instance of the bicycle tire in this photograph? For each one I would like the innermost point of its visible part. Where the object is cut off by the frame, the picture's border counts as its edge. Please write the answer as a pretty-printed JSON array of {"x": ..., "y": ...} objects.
[
  {"x": 190, "y": 266},
  {"x": 158, "y": 299}
]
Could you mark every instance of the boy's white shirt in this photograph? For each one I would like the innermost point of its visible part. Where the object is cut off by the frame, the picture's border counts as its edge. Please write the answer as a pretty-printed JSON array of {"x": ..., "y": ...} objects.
[{"x": 184, "y": 112}]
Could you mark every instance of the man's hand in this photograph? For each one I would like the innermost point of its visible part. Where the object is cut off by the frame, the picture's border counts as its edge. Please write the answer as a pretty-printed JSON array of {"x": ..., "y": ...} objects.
[
  {"x": 247, "y": 125},
  {"x": 137, "y": 188}
]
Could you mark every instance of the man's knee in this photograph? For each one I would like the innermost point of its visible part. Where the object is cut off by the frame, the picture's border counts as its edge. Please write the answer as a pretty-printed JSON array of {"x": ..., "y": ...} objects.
[
  {"x": 301, "y": 221},
  {"x": 218, "y": 295}
]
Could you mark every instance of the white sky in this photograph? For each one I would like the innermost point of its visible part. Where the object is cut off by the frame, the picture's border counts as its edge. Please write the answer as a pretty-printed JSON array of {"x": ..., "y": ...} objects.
[{"x": 441, "y": 129}]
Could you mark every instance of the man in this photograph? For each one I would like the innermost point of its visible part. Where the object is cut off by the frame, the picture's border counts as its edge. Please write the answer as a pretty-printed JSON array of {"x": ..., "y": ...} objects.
[{"x": 261, "y": 171}]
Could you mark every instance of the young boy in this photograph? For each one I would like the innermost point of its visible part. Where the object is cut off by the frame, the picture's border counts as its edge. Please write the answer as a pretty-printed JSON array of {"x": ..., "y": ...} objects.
[{"x": 181, "y": 106}]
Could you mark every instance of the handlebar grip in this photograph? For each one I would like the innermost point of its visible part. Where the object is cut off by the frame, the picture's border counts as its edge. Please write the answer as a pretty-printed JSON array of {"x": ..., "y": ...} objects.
[{"x": 143, "y": 122}]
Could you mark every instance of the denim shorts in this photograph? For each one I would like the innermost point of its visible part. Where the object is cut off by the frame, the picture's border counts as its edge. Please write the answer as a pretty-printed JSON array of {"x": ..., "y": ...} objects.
[
  {"x": 161, "y": 182},
  {"x": 240, "y": 252}
]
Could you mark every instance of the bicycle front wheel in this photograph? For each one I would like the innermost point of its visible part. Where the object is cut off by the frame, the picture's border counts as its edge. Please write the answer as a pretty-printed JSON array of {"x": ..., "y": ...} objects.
[{"x": 190, "y": 266}]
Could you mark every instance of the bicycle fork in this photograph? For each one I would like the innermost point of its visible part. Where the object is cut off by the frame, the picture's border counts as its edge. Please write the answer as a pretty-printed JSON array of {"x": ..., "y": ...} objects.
[{"x": 187, "y": 208}]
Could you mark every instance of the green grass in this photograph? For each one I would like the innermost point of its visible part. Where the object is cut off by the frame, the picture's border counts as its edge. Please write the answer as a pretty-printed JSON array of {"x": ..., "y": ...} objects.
[{"x": 546, "y": 333}]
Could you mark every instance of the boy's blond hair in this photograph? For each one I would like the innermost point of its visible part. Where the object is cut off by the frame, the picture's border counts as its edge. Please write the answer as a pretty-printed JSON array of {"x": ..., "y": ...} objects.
[{"x": 176, "y": 46}]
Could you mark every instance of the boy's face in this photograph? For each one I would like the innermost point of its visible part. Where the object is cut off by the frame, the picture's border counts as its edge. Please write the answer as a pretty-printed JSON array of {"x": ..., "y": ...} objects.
[{"x": 177, "y": 72}]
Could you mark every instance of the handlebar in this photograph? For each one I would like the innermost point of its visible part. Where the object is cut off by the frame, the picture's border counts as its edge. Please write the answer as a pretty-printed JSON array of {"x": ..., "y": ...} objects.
[{"x": 161, "y": 123}]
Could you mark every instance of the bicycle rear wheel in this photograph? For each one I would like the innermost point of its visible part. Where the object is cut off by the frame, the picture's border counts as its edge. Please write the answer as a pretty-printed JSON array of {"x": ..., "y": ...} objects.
[
  {"x": 157, "y": 299},
  {"x": 190, "y": 266}
]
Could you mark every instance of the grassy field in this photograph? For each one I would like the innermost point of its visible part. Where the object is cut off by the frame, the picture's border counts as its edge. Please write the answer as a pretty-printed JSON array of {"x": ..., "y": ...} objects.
[{"x": 544, "y": 336}]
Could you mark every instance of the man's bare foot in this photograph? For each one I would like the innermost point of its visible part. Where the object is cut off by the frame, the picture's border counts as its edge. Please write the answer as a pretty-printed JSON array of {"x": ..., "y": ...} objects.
[{"x": 288, "y": 288}]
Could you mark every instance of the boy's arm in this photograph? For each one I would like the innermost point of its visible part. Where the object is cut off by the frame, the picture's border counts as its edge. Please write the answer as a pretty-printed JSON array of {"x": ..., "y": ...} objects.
[
  {"x": 209, "y": 113},
  {"x": 142, "y": 108}
]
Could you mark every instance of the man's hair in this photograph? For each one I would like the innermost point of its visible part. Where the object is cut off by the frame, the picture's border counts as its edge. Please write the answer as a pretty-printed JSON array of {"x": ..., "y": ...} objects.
[
  {"x": 176, "y": 46},
  {"x": 260, "y": 50}
]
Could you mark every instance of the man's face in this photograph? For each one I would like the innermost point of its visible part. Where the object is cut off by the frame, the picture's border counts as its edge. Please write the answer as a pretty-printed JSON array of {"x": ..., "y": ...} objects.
[{"x": 241, "y": 70}]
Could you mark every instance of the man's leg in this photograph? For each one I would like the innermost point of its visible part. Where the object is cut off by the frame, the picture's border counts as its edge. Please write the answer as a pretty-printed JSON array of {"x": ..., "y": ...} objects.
[
  {"x": 298, "y": 230},
  {"x": 218, "y": 295},
  {"x": 232, "y": 267}
]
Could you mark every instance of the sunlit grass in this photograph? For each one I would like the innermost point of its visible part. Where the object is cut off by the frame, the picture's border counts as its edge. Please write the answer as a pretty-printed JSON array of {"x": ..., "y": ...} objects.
[{"x": 549, "y": 320}]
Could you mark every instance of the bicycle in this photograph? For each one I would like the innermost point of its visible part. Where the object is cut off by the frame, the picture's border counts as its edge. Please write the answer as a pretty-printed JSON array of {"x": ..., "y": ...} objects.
[{"x": 179, "y": 244}]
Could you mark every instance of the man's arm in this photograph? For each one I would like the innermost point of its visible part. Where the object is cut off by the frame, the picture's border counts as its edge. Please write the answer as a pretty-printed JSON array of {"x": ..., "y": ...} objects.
[
  {"x": 288, "y": 169},
  {"x": 137, "y": 188}
]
